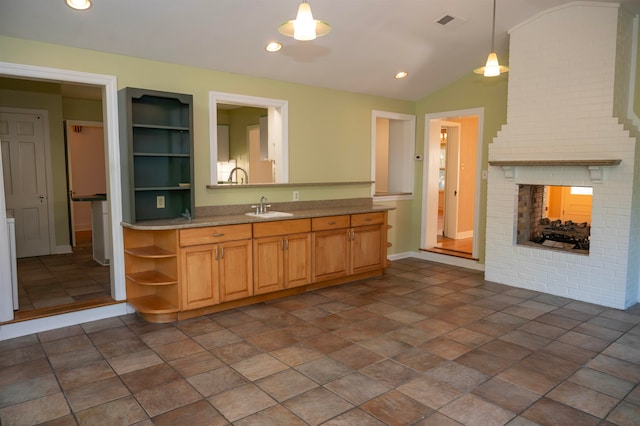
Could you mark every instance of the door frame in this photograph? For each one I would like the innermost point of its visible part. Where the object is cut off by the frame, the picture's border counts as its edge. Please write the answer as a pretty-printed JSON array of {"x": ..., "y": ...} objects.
[
  {"x": 110, "y": 114},
  {"x": 47, "y": 169},
  {"x": 430, "y": 175},
  {"x": 68, "y": 124}
]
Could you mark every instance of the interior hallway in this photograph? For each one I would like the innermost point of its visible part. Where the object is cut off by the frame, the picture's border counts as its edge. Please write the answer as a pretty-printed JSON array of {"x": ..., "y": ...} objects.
[
  {"x": 60, "y": 283},
  {"x": 426, "y": 344}
]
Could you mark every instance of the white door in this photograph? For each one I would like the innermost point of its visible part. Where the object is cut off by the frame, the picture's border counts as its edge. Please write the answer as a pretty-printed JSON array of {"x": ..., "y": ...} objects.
[
  {"x": 85, "y": 170},
  {"x": 25, "y": 180},
  {"x": 451, "y": 184}
]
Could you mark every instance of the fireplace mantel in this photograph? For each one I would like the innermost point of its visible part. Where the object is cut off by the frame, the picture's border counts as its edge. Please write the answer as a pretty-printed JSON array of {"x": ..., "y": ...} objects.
[{"x": 595, "y": 167}]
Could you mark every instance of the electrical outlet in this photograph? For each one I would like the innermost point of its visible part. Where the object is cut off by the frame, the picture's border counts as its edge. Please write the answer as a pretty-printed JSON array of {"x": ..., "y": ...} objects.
[
  {"x": 296, "y": 195},
  {"x": 485, "y": 174},
  {"x": 160, "y": 202}
]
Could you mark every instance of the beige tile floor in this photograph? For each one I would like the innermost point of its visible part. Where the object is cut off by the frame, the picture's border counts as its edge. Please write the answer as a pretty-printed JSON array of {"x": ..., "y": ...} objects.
[
  {"x": 426, "y": 344},
  {"x": 65, "y": 279}
]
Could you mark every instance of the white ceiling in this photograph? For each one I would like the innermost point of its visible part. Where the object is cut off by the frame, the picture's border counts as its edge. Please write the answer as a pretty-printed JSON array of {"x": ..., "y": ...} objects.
[{"x": 370, "y": 39}]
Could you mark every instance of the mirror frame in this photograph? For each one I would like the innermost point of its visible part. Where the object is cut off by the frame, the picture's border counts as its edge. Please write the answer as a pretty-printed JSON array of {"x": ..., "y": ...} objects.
[{"x": 278, "y": 124}]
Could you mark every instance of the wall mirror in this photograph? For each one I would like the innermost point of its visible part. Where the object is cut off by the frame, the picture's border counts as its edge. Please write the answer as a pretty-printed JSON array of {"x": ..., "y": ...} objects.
[{"x": 248, "y": 139}]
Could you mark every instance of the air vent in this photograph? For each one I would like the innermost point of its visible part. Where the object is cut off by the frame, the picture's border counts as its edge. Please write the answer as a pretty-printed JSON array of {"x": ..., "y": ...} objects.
[{"x": 445, "y": 20}]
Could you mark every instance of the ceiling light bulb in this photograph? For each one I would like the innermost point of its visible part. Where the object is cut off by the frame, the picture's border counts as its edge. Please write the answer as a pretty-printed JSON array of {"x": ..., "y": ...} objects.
[
  {"x": 401, "y": 74},
  {"x": 79, "y": 4},
  {"x": 273, "y": 46},
  {"x": 304, "y": 27},
  {"x": 492, "y": 68}
]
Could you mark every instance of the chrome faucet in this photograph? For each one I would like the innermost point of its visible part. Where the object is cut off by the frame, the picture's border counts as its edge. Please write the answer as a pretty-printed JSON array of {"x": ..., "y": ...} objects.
[
  {"x": 235, "y": 169},
  {"x": 262, "y": 207}
]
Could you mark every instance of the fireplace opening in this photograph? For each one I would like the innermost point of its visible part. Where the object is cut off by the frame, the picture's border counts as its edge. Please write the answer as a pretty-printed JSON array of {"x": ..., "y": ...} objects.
[{"x": 555, "y": 217}]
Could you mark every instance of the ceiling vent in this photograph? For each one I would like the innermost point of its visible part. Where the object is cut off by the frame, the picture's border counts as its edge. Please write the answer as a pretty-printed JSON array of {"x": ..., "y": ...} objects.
[
  {"x": 450, "y": 21},
  {"x": 445, "y": 19}
]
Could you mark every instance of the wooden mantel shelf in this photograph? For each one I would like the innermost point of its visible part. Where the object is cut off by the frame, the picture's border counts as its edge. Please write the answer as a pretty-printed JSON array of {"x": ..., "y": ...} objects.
[{"x": 595, "y": 167}]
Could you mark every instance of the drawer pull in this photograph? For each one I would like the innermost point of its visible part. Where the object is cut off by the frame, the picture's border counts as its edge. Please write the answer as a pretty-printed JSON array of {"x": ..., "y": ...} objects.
[
  {"x": 332, "y": 223},
  {"x": 218, "y": 235},
  {"x": 368, "y": 219}
]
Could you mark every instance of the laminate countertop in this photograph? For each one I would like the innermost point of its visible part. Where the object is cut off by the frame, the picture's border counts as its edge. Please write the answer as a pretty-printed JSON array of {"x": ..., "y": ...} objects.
[{"x": 235, "y": 214}]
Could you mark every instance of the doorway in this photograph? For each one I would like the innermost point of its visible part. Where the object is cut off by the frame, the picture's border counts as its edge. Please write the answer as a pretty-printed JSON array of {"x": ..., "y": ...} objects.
[
  {"x": 451, "y": 187},
  {"x": 108, "y": 87}
]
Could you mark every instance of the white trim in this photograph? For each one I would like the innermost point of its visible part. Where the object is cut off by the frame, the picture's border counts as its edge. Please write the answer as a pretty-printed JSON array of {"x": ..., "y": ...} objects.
[
  {"x": 63, "y": 249},
  {"x": 432, "y": 157},
  {"x": 278, "y": 121},
  {"x": 48, "y": 173},
  {"x": 440, "y": 258},
  {"x": 408, "y": 151},
  {"x": 6, "y": 283},
  {"x": 110, "y": 123},
  {"x": 23, "y": 328}
]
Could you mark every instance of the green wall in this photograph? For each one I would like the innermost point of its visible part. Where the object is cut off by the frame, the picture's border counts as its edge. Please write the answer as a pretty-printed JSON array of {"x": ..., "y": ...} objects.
[{"x": 329, "y": 130}]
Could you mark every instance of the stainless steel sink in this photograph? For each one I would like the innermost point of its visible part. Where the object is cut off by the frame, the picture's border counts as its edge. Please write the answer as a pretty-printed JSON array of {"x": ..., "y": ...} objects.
[{"x": 269, "y": 215}]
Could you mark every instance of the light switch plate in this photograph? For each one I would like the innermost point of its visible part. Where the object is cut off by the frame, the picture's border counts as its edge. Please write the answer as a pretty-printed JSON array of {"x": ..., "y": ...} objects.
[{"x": 160, "y": 202}]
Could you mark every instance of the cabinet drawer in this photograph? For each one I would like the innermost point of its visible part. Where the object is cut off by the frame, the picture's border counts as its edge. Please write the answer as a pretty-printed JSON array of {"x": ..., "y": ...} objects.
[
  {"x": 329, "y": 222},
  {"x": 214, "y": 234},
  {"x": 367, "y": 219},
  {"x": 281, "y": 227}
]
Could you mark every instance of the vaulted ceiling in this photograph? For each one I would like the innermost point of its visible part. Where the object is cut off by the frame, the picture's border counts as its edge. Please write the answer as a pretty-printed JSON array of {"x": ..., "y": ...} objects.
[{"x": 369, "y": 42}]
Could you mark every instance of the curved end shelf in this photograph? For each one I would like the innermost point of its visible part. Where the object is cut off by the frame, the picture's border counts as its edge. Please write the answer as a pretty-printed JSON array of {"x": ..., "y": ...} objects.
[
  {"x": 152, "y": 305},
  {"x": 149, "y": 252},
  {"x": 151, "y": 278}
]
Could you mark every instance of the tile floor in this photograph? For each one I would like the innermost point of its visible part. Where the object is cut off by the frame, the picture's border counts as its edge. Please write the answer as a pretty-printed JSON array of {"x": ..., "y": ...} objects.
[
  {"x": 46, "y": 281},
  {"x": 426, "y": 344}
]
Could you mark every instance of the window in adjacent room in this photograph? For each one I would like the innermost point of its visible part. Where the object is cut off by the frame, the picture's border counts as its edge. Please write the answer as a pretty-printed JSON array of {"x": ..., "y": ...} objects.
[{"x": 392, "y": 148}]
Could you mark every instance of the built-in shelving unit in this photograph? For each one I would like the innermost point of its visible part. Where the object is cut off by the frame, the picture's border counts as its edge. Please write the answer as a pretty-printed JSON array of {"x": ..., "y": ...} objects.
[
  {"x": 151, "y": 270},
  {"x": 157, "y": 150}
]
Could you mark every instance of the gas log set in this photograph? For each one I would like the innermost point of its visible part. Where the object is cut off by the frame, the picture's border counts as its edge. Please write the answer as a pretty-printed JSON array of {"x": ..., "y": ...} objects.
[{"x": 568, "y": 235}]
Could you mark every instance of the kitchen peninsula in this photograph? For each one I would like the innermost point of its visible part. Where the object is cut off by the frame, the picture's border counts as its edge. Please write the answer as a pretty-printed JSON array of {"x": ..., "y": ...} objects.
[{"x": 179, "y": 268}]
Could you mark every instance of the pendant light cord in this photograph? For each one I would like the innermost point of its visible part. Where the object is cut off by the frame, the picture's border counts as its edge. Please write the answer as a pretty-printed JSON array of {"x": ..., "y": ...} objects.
[{"x": 493, "y": 28}]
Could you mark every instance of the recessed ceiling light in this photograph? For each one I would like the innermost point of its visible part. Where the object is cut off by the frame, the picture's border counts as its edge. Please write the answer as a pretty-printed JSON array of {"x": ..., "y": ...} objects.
[
  {"x": 401, "y": 74},
  {"x": 273, "y": 46},
  {"x": 79, "y": 4}
]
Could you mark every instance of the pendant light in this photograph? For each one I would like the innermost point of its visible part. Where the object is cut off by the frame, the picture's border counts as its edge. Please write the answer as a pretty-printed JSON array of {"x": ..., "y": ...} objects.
[
  {"x": 304, "y": 27},
  {"x": 492, "y": 68}
]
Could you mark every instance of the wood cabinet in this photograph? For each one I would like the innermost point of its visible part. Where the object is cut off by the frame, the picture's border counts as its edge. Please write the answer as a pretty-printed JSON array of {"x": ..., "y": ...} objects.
[
  {"x": 281, "y": 255},
  {"x": 157, "y": 154},
  {"x": 348, "y": 244},
  {"x": 151, "y": 271},
  {"x": 217, "y": 264},
  {"x": 178, "y": 273}
]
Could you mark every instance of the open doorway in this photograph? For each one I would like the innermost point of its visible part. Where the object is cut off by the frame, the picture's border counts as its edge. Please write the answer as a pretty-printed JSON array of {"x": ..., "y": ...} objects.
[
  {"x": 60, "y": 243},
  {"x": 451, "y": 182}
]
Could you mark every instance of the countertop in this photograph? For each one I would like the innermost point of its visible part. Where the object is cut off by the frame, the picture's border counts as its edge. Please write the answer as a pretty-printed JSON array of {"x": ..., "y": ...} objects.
[
  {"x": 93, "y": 197},
  {"x": 233, "y": 215}
]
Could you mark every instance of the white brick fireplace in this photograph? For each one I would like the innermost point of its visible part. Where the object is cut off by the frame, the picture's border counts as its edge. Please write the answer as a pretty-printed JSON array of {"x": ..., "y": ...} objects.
[{"x": 568, "y": 122}]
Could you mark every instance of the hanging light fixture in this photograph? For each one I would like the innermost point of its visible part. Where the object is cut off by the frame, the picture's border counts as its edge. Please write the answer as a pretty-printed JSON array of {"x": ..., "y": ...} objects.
[
  {"x": 304, "y": 27},
  {"x": 492, "y": 68},
  {"x": 79, "y": 4}
]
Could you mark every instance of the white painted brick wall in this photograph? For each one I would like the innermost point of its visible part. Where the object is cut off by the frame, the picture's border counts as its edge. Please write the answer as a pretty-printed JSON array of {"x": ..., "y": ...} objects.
[{"x": 567, "y": 83}]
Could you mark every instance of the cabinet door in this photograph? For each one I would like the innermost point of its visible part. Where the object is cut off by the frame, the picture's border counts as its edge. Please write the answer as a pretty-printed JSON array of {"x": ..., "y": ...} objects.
[
  {"x": 367, "y": 248},
  {"x": 268, "y": 270},
  {"x": 235, "y": 263},
  {"x": 199, "y": 276},
  {"x": 297, "y": 260},
  {"x": 331, "y": 254}
]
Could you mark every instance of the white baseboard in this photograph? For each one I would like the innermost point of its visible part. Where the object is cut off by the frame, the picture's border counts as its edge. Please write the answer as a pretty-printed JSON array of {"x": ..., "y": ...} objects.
[
  {"x": 66, "y": 249},
  {"x": 465, "y": 234},
  {"x": 440, "y": 258},
  {"x": 23, "y": 328}
]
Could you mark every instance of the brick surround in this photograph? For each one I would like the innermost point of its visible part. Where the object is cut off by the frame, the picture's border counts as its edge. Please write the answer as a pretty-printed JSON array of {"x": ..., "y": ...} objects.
[{"x": 568, "y": 100}]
